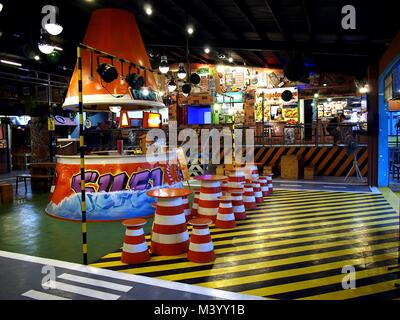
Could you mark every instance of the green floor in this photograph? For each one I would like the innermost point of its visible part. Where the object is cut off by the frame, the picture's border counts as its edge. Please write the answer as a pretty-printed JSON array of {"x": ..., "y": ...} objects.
[{"x": 25, "y": 228}]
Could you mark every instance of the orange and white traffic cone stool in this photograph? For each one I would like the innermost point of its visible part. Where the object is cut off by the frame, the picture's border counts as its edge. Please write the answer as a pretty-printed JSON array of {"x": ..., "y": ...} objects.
[
  {"x": 225, "y": 217},
  {"x": 224, "y": 188},
  {"x": 249, "y": 200},
  {"x": 264, "y": 186},
  {"x": 195, "y": 205},
  {"x": 254, "y": 171},
  {"x": 134, "y": 249},
  {"x": 257, "y": 191},
  {"x": 169, "y": 235},
  {"x": 201, "y": 248},
  {"x": 186, "y": 208},
  {"x": 210, "y": 191},
  {"x": 270, "y": 185},
  {"x": 237, "y": 203},
  {"x": 236, "y": 180}
]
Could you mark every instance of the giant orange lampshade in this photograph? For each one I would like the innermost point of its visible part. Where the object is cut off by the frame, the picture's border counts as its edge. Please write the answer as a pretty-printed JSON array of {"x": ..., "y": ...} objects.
[{"x": 113, "y": 31}]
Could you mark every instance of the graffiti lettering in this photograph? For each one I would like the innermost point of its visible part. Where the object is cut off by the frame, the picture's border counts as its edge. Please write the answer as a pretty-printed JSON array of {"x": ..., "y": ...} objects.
[{"x": 142, "y": 180}]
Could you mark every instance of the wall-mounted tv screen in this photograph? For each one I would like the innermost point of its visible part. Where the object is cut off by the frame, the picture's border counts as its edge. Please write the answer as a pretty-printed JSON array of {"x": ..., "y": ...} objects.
[{"x": 199, "y": 114}]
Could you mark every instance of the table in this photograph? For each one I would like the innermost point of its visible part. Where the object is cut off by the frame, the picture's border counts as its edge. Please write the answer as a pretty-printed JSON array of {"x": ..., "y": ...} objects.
[{"x": 169, "y": 235}]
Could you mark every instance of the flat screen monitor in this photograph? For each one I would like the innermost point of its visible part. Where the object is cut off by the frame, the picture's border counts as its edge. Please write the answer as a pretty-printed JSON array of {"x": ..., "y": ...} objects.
[
  {"x": 136, "y": 123},
  {"x": 200, "y": 114}
]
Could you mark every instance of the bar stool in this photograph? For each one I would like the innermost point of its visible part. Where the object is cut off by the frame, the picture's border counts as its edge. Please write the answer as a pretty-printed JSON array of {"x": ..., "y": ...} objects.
[
  {"x": 134, "y": 249},
  {"x": 257, "y": 191},
  {"x": 270, "y": 185},
  {"x": 249, "y": 199},
  {"x": 186, "y": 208},
  {"x": 201, "y": 248},
  {"x": 195, "y": 205},
  {"x": 238, "y": 206},
  {"x": 264, "y": 185},
  {"x": 169, "y": 235},
  {"x": 225, "y": 217},
  {"x": 210, "y": 191}
]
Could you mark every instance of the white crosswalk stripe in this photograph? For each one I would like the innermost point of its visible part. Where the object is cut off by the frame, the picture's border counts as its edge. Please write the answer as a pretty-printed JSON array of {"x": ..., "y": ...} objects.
[
  {"x": 81, "y": 290},
  {"x": 95, "y": 282},
  {"x": 37, "y": 295}
]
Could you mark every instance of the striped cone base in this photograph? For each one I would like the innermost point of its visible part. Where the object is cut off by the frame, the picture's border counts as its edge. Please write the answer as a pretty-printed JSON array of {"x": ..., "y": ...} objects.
[
  {"x": 239, "y": 209},
  {"x": 264, "y": 186},
  {"x": 249, "y": 200},
  {"x": 134, "y": 249},
  {"x": 225, "y": 217},
  {"x": 195, "y": 205},
  {"x": 210, "y": 192},
  {"x": 186, "y": 208},
  {"x": 201, "y": 248},
  {"x": 257, "y": 191},
  {"x": 169, "y": 235}
]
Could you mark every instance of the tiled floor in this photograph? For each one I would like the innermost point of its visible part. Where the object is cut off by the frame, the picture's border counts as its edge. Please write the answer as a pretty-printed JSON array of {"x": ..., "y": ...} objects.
[{"x": 294, "y": 246}]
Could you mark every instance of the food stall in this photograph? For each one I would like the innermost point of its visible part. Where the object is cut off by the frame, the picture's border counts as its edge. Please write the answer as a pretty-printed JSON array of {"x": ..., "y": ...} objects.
[{"x": 116, "y": 77}]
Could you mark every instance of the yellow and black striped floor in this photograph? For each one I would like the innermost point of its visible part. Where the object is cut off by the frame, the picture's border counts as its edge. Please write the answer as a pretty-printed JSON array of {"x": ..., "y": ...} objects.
[{"x": 294, "y": 246}]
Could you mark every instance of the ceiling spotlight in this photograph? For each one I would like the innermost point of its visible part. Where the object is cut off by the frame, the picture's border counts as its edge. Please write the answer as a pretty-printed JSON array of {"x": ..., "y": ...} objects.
[
  {"x": 316, "y": 95},
  {"x": 145, "y": 91},
  {"x": 36, "y": 57},
  {"x": 190, "y": 29},
  {"x": 108, "y": 73},
  {"x": 163, "y": 67},
  {"x": 171, "y": 86},
  {"x": 207, "y": 50},
  {"x": 329, "y": 99},
  {"x": 115, "y": 109},
  {"x": 134, "y": 80},
  {"x": 221, "y": 56},
  {"x": 148, "y": 9},
  {"x": 230, "y": 59},
  {"x": 1, "y": 7},
  {"x": 324, "y": 84},
  {"x": 181, "y": 72}
]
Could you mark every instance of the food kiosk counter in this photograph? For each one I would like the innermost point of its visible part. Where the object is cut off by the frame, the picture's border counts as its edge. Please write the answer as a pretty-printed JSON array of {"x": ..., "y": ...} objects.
[{"x": 116, "y": 185}]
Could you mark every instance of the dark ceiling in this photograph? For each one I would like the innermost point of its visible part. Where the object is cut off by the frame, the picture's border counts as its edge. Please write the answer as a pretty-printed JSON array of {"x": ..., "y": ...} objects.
[{"x": 252, "y": 32}]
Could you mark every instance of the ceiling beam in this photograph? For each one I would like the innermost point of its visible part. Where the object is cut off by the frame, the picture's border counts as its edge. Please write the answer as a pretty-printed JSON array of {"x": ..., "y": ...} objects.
[
  {"x": 272, "y": 6},
  {"x": 249, "y": 16},
  {"x": 356, "y": 50},
  {"x": 307, "y": 15}
]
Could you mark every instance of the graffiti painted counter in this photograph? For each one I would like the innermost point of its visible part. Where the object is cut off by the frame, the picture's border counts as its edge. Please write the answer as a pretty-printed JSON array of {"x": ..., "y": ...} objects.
[{"x": 116, "y": 186}]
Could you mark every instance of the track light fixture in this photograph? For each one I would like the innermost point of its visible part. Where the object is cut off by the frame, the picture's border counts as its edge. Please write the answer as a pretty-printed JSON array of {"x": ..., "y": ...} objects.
[
  {"x": 186, "y": 88},
  {"x": 134, "y": 80},
  {"x": 107, "y": 72}
]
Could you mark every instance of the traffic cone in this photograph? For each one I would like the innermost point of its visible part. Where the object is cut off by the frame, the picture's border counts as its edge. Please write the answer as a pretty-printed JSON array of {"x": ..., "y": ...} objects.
[
  {"x": 134, "y": 249},
  {"x": 186, "y": 208},
  {"x": 270, "y": 185},
  {"x": 195, "y": 205},
  {"x": 257, "y": 191},
  {"x": 237, "y": 202},
  {"x": 264, "y": 186},
  {"x": 249, "y": 200},
  {"x": 201, "y": 248},
  {"x": 210, "y": 191},
  {"x": 225, "y": 216},
  {"x": 169, "y": 236}
]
